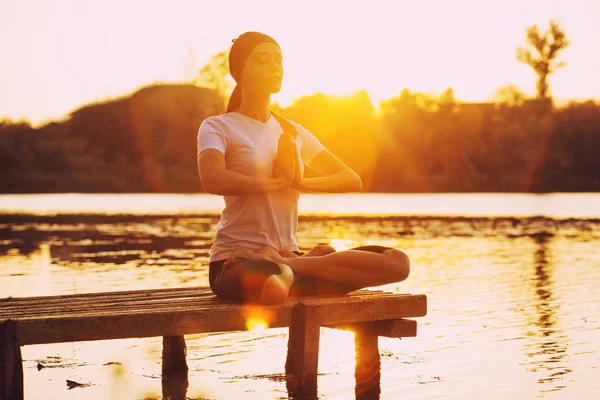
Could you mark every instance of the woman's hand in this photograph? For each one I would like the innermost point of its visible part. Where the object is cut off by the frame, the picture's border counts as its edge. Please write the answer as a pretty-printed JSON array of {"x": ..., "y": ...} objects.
[
  {"x": 288, "y": 254},
  {"x": 297, "y": 183},
  {"x": 284, "y": 166}
]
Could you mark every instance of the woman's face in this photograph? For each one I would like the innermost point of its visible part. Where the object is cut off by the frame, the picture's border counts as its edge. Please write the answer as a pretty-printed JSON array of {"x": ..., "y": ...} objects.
[{"x": 263, "y": 70}]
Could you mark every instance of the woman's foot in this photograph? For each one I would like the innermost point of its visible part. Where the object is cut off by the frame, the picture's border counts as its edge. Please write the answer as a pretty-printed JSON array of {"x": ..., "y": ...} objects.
[{"x": 288, "y": 254}]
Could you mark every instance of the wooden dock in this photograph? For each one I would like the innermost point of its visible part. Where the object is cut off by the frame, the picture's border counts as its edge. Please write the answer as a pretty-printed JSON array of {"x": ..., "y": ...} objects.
[{"x": 172, "y": 313}]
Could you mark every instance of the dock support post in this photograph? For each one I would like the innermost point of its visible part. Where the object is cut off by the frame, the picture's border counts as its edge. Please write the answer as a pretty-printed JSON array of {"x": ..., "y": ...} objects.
[
  {"x": 174, "y": 368},
  {"x": 303, "y": 353},
  {"x": 367, "y": 371},
  {"x": 174, "y": 355},
  {"x": 11, "y": 362}
]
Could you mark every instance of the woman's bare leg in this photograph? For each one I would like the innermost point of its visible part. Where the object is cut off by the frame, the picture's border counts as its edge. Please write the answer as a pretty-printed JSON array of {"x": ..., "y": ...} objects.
[
  {"x": 357, "y": 268},
  {"x": 354, "y": 267}
]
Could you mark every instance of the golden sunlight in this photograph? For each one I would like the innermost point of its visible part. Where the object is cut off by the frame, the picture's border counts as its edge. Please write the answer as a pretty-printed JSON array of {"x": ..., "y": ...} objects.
[
  {"x": 378, "y": 57},
  {"x": 341, "y": 244},
  {"x": 258, "y": 318},
  {"x": 256, "y": 324},
  {"x": 336, "y": 348},
  {"x": 396, "y": 47}
]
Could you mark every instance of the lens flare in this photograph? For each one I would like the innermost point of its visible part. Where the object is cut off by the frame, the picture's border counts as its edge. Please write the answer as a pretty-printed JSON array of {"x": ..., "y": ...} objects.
[
  {"x": 341, "y": 244},
  {"x": 258, "y": 318},
  {"x": 256, "y": 324}
]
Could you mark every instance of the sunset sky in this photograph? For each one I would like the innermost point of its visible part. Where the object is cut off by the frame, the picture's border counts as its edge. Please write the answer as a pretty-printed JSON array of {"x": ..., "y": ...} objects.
[{"x": 57, "y": 55}]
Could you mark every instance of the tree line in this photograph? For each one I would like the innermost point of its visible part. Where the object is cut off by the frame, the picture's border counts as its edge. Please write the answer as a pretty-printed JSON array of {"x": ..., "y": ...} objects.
[{"x": 414, "y": 142}]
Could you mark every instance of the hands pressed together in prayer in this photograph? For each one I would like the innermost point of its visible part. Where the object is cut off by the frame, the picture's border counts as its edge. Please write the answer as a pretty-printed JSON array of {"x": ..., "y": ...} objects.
[{"x": 287, "y": 164}]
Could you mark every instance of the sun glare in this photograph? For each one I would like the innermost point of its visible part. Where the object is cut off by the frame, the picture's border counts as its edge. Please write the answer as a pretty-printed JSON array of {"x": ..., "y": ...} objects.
[
  {"x": 397, "y": 46},
  {"x": 258, "y": 318},
  {"x": 341, "y": 244},
  {"x": 256, "y": 324}
]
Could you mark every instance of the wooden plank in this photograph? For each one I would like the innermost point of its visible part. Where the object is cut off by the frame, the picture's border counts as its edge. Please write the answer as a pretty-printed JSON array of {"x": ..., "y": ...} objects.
[
  {"x": 147, "y": 324},
  {"x": 303, "y": 353},
  {"x": 73, "y": 308},
  {"x": 134, "y": 293},
  {"x": 9, "y": 302},
  {"x": 142, "y": 292},
  {"x": 11, "y": 363},
  {"x": 391, "y": 307},
  {"x": 51, "y": 302},
  {"x": 193, "y": 303},
  {"x": 98, "y": 308},
  {"x": 343, "y": 311},
  {"x": 367, "y": 371},
  {"x": 395, "y": 328},
  {"x": 169, "y": 320},
  {"x": 12, "y": 307},
  {"x": 89, "y": 303},
  {"x": 149, "y": 304}
]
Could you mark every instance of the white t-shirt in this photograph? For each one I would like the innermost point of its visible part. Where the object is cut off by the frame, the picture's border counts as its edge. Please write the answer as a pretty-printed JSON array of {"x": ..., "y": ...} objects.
[{"x": 250, "y": 148}]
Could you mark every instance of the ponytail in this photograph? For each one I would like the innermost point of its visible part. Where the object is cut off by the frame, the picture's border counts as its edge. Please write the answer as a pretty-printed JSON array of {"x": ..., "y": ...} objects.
[{"x": 235, "y": 100}]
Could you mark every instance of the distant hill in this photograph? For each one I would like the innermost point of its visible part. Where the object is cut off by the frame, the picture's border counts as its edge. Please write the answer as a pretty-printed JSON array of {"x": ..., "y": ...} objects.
[{"x": 144, "y": 142}]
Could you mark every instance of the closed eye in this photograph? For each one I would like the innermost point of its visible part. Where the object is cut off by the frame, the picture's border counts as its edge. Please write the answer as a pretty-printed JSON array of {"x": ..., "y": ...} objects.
[{"x": 263, "y": 58}]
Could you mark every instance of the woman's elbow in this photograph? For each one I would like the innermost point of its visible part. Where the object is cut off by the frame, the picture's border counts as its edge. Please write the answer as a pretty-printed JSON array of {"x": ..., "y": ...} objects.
[
  {"x": 359, "y": 187},
  {"x": 209, "y": 185},
  {"x": 356, "y": 185}
]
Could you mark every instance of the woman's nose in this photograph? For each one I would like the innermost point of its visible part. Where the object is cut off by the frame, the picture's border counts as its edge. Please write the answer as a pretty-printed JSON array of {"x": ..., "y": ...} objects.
[{"x": 276, "y": 68}]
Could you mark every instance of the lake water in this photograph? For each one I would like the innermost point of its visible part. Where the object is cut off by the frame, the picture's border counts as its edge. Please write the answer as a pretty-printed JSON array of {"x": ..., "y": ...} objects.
[{"x": 513, "y": 286}]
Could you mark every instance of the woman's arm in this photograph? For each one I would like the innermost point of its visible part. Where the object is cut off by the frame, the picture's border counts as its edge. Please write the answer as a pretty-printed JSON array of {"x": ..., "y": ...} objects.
[
  {"x": 336, "y": 176},
  {"x": 217, "y": 179},
  {"x": 343, "y": 181}
]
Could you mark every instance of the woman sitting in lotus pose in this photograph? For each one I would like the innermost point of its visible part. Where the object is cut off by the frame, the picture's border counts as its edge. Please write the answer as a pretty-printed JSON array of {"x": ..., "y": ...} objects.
[{"x": 255, "y": 159}]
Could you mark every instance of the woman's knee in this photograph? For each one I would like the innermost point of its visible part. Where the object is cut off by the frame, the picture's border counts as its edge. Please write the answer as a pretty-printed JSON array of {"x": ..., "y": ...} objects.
[
  {"x": 277, "y": 287},
  {"x": 397, "y": 263},
  {"x": 321, "y": 250}
]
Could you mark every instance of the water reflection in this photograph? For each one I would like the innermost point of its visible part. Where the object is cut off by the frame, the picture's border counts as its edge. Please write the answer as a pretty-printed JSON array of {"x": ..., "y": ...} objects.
[
  {"x": 548, "y": 352},
  {"x": 510, "y": 276},
  {"x": 175, "y": 387}
]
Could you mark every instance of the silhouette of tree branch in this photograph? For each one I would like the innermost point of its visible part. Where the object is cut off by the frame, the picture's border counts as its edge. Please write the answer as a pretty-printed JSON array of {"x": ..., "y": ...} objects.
[{"x": 546, "y": 46}]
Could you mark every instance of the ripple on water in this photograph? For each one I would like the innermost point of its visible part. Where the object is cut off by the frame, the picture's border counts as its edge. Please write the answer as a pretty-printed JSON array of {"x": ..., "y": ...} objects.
[{"x": 513, "y": 307}]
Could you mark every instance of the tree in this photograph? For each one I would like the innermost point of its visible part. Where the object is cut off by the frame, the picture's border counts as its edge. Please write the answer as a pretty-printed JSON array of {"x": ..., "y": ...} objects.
[
  {"x": 547, "y": 46},
  {"x": 509, "y": 95},
  {"x": 215, "y": 74},
  {"x": 447, "y": 102}
]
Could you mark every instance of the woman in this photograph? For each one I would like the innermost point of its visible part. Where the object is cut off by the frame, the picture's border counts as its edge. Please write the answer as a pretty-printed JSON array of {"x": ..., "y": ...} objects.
[{"x": 255, "y": 159}]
